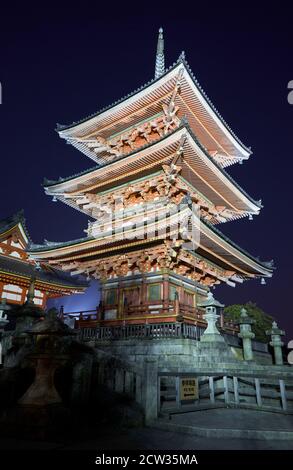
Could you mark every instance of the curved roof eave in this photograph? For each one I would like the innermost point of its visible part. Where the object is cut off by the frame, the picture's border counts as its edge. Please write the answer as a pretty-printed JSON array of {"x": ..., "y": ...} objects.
[
  {"x": 181, "y": 60},
  {"x": 52, "y": 276},
  {"x": 183, "y": 124},
  {"x": 13, "y": 221},
  {"x": 36, "y": 247},
  {"x": 268, "y": 265}
]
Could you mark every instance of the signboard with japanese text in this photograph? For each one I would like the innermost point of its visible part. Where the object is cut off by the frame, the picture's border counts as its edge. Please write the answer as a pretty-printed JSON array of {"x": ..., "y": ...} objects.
[{"x": 189, "y": 388}]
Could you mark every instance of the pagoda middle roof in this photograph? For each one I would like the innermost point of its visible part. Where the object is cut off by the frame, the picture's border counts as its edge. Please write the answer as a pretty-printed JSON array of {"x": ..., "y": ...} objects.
[
  {"x": 82, "y": 182},
  {"x": 192, "y": 90}
]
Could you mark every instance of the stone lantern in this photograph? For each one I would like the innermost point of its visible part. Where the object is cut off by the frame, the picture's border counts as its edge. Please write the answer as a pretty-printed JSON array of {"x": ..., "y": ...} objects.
[
  {"x": 245, "y": 323},
  {"x": 47, "y": 355},
  {"x": 275, "y": 333},
  {"x": 211, "y": 316},
  {"x": 212, "y": 348}
]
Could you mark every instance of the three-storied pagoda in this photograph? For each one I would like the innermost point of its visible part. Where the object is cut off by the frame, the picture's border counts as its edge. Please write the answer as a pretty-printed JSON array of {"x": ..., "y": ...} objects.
[{"x": 161, "y": 147}]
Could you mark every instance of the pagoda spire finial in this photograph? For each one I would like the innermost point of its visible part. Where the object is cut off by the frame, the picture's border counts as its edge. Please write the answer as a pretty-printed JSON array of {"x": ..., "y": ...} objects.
[{"x": 160, "y": 58}]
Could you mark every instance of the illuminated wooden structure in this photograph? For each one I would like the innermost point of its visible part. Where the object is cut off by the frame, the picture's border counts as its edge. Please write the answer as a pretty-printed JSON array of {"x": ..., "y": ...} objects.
[
  {"x": 17, "y": 269},
  {"x": 163, "y": 145}
]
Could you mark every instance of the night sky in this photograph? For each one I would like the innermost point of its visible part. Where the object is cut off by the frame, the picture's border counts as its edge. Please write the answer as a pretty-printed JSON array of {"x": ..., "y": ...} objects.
[{"x": 62, "y": 63}]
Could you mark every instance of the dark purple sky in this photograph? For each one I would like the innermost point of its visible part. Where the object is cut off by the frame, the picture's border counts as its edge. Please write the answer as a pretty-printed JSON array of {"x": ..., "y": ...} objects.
[{"x": 60, "y": 64}]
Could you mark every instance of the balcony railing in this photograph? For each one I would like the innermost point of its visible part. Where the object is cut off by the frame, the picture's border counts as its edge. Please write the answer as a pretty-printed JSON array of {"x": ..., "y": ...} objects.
[{"x": 151, "y": 313}]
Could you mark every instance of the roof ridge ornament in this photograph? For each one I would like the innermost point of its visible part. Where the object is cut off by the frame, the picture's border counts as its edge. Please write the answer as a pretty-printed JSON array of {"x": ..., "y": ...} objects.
[
  {"x": 182, "y": 56},
  {"x": 160, "y": 58}
]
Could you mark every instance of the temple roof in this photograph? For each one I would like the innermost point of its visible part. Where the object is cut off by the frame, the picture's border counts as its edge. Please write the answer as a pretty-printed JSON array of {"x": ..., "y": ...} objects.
[
  {"x": 45, "y": 273},
  {"x": 25, "y": 269},
  {"x": 12, "y": 221},
  {"x": 67, "y": 131}
]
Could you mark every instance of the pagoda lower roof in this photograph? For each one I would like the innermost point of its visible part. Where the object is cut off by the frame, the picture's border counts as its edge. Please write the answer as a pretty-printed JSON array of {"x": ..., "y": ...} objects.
[
  {"x": 46, "y": 275},
  {"x": 213, "y": 131},
  {"x": 198, "y": 166},
  {"x": 214, "y": 245}
]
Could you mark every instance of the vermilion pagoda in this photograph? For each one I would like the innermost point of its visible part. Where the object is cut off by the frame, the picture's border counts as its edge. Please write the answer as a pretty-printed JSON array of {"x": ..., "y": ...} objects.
[{"x": 161, "y": 146}]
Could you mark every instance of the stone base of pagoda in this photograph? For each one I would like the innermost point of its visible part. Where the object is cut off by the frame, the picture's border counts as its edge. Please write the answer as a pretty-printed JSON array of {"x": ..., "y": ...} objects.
[{"x": 176, "y": 353}]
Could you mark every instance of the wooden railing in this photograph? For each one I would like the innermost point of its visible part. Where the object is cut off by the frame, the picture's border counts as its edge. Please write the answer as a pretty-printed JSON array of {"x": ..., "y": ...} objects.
[
  {"x": 154, "y": 330},
  {"x": 152, "y": 313},
  {"x": 153, "y": 308},
  {"x": 148, "y": 308}
]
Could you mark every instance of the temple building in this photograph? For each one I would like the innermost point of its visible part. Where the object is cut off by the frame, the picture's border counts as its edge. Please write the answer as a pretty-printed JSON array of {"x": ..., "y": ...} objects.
[
  {"x": 18, "y": 271},
  {"x": 156, "y": 196}
]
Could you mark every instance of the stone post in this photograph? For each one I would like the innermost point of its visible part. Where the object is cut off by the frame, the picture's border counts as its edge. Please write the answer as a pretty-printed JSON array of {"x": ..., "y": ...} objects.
[
  {"x": 246, "y": 334},
  {"x": 276, "y": 342},
  {"x": 150, "y": 393}
]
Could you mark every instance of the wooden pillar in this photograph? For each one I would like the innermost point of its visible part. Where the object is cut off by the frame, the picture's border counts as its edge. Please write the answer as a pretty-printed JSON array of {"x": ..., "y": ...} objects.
[
  {"x": 1, "y": 289},
  {"x": 143, "y": 294},
  {"x": 165, "y": 292},
  {"x": 44, "y": 301},
  {"x": 195, "y": 298},
  {"x": 103, "y": 299},
  {"x": 120, "y": 304},
  {"x": 23, "y": 294},
  {"x": 181, "y": 294}
]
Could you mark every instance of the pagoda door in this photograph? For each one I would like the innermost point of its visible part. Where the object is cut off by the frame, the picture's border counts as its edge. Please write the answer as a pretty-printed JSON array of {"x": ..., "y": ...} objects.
[{"x": 131, "y": 298}]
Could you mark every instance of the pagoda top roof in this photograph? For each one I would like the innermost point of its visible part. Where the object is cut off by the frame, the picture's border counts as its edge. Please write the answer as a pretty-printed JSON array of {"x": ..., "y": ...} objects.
[
  {"x": 12, "y": 221},
  {"x": 49, "y": 184},
  {"x": 181, "y": 61}
]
